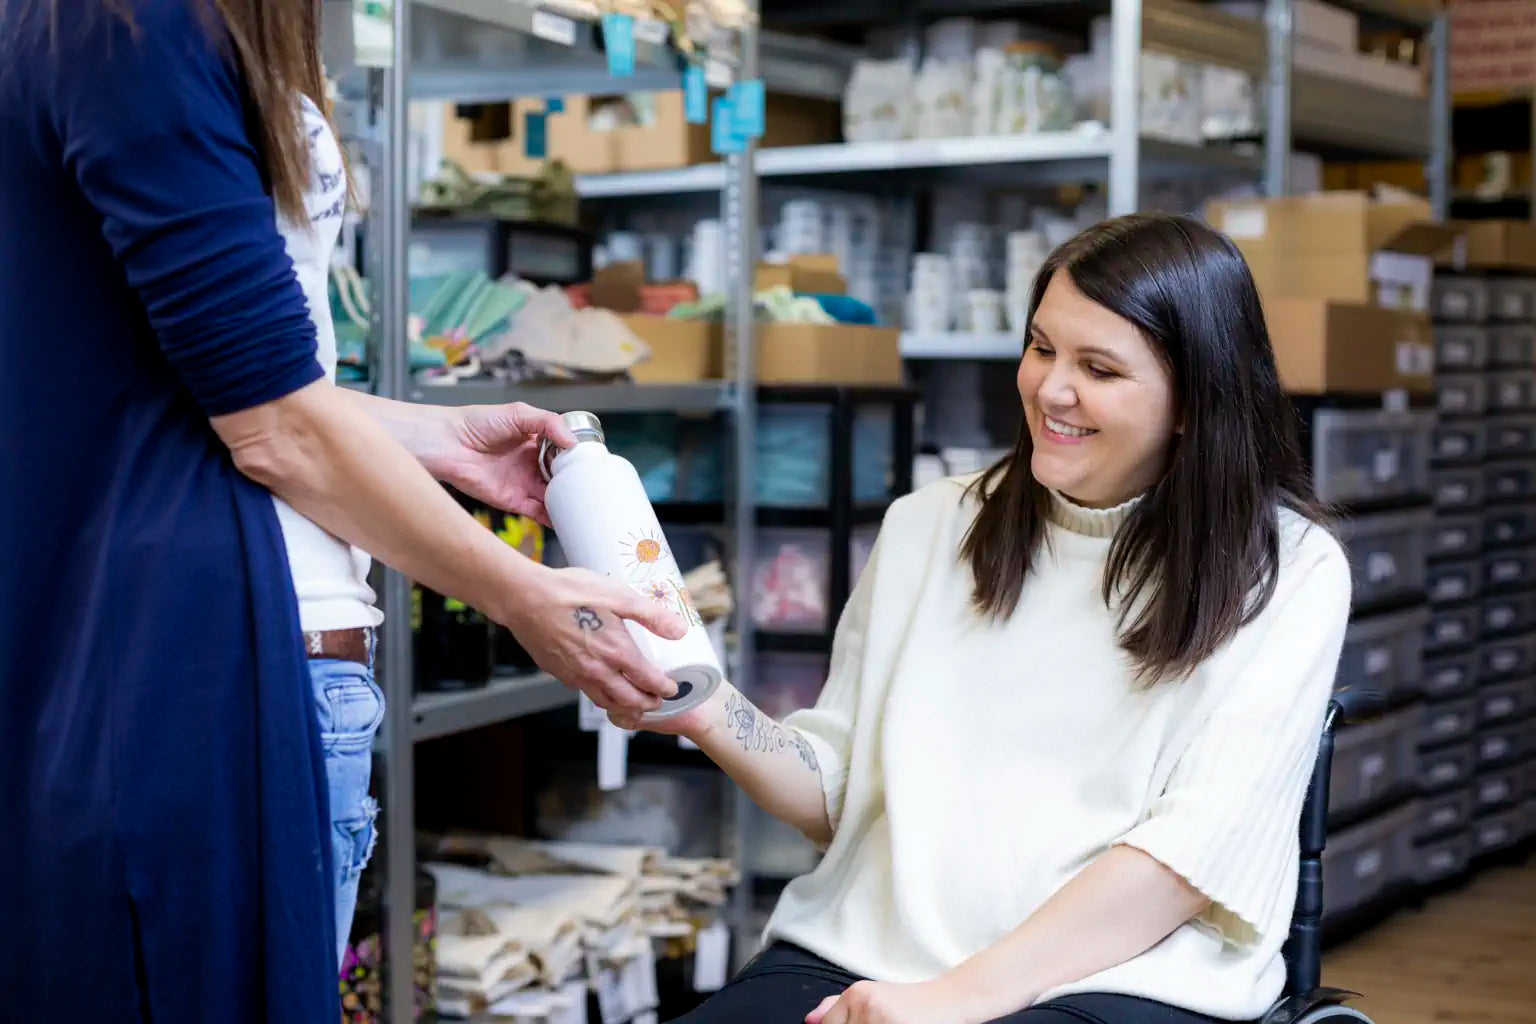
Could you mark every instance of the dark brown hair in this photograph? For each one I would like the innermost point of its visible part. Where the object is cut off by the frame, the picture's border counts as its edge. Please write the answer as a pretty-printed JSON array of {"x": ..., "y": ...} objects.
[
  {"x": 1197, "y": 557},
  {"x": 276, "y": 45}
]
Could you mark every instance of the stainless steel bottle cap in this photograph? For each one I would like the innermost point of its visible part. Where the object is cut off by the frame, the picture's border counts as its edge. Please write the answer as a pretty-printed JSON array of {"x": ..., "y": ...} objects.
[{"x": 585, "y": 425}]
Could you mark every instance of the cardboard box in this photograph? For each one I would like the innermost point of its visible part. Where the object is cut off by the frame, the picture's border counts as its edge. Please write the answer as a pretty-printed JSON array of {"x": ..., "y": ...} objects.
[
  {"x": 828, "y": 354},
  {"x": 1342, "y": 246},
  {"x": 1324, "y": 347},
  {"x": 816, "y": 275},
  {"x": 682, "y": 351},
  {"x": 1493, "y": 244}
]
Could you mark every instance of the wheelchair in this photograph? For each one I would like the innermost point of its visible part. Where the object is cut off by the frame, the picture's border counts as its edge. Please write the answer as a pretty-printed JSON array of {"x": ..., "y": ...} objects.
[{"x": 1304, "y": 1000}]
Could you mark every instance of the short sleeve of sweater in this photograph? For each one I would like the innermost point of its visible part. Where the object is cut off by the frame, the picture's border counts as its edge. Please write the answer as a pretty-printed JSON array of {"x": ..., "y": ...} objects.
[
  {"x": 829, "y": 725},
  {"x": 1228, "y": 819},
  {"x": 152, "y": 126}
]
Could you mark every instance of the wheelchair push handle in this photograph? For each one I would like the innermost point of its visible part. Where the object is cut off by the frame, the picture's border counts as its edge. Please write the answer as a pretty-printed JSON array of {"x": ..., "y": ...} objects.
[{"x": 1351, "y": 706}]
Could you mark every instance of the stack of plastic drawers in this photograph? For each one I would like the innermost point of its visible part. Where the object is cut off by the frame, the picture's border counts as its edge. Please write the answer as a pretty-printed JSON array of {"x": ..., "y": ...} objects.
[
  {"x": 1373, "y": 462},
  {"x": 1477, "y": 731}
]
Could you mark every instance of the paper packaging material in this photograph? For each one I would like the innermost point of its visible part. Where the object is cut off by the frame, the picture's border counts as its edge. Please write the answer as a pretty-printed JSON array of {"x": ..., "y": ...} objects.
[
  {"x": 682, "y": 351},
  {"x": 1493, "y": 244},
  {"x": 1343, "y": 246},
  {"x": 1326, "y": 347},
  {"x": 828, "y": 354},
  {"x": 809, "y": 274}
]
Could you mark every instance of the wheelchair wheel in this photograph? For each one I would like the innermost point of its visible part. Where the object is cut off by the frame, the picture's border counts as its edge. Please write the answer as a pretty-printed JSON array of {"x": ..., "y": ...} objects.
[{"x": 1333, "y": 1015}]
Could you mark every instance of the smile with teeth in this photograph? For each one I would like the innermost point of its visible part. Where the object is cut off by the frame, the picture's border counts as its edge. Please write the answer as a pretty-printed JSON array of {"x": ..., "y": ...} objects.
[{"x": 1066, "y": 429}]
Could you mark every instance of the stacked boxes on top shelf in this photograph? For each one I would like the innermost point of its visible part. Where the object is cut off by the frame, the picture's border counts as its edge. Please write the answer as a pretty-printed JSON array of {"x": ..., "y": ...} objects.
[{"x": 1480, "y": 728}]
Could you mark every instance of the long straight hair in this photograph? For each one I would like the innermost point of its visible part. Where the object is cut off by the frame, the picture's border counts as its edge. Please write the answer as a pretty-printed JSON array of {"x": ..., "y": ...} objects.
[
  {"x": 1197, "y": 558},
  {"x": 276, "y": 47}
]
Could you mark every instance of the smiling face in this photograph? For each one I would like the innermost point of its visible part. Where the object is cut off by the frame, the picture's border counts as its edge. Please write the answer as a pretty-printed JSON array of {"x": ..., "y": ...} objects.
[{"x": 1098, "y": 400}]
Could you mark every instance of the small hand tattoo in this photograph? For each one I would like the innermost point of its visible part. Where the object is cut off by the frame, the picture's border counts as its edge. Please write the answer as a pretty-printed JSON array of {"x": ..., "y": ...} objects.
[
  {"x": 755, "y": 731},
  {"x": 586, "y": 618}
]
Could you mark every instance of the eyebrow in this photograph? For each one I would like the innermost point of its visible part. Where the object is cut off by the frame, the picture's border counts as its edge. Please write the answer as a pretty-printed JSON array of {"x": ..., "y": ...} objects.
[{"x": 1087, "y": 350}]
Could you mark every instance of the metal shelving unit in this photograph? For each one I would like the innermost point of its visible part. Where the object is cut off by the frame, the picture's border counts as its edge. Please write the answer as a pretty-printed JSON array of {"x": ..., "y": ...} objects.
[{"x": 495, "y": 50}]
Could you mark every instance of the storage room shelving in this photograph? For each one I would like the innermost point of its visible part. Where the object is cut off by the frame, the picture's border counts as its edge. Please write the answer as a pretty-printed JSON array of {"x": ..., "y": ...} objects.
[{"x": 497, "y": 50}]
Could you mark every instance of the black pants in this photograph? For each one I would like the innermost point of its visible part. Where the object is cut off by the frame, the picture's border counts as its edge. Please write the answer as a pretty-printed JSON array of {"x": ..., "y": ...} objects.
[{"x": 784, "y": 983}]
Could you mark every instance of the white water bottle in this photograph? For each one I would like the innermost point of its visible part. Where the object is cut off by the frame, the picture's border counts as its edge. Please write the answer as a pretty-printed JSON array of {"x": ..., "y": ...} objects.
[{"x": 605, "y": 523}]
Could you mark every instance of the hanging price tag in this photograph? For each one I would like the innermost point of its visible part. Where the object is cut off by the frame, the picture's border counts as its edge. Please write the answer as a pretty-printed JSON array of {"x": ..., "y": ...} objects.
[
  {"x": 619, "y": 42},
  {"x": 722, "y": 135},
  {"x": 535, "y": 135},
  {"x": 695, "y": 95},
  {"x": 747, "y": 108}
]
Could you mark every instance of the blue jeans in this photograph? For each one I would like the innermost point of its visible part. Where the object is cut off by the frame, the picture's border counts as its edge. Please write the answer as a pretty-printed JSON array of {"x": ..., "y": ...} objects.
[{"x": 351, "y": 707}]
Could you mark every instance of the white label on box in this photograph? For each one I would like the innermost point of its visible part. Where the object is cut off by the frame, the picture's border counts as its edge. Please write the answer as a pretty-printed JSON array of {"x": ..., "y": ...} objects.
[
  {"x": 649, "y": 30},
  {"x": 1451, "y": 588},
  {"x": 1495, "y": 748},
  {"x": 1454, "y": 538},
  {"x": 554, "y": 27},
  {"x": 612, "y": 757},
  {"x": 1499, "y": 707},
  {"x": 1501, "y": 616},
  {"x": 1444, "y": 860},
  {"x": 1368, "y": 863},
  {"x": 1384, "y": 465},
  {"x": 1402, "y": 279},
  {"x": 1446, "y": 725},
  {"x": 1245, "y": 221},
  {"x": 1448, "y": 631},
  {"x": 1455, "y": 304},
  {"x": 1394, "y": 400},
  {"x": 1380, "y": 565},
  {"x": 1495, "y": 834},
  {"x": 1378, "y": 660},
  {"x": 1444, "y": 817},
  {"x": 1503, "y": 572},
  {"x": 1371, "y": 768},
  {"x": 1445, "y": 771},
  {"x": 1493, "y": 792},
  {"x": 1455, "y": 444},
  {"x": 710, "y": 956},
  {"x": 1458, "y": 352}
]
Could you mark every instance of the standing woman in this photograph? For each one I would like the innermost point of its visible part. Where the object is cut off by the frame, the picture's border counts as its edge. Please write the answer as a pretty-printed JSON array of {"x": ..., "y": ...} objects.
[{"x": 183, "y": 743}]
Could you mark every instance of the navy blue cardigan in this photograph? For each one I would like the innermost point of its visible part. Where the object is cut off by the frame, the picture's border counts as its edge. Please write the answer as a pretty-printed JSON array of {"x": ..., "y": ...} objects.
[{"x": 164, "y": 837}]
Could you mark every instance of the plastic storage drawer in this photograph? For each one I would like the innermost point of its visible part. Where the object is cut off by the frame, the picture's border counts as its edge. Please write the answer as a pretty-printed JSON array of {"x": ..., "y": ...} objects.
[
  {"x": 1449, "y": 582},
  {"x": 1496, "y": 790},
  {"x": 1508, "y": 614},
  {"x": 1512, "y": 569},
  {"x": 1507, "y": 658},
  {"x": 1388, "y": 555},
  {"x": 1509, "y": 526},
  {"x": 1500, "y": 746},
  {"x": 1456, "y": 536},
  {"x": 1459, "y": 441},
  {"x": 1445, "y": 813},
  {"x": 1446, "y": 768},
  {"x": 1373, "y": 760},
  {"x": 1450, "y": 675},
  {"x": 1496, "y": 832},
  {"x": 1509, "y": 481},
  {"x": 1510, "y": 299},
  {"x": 1450, "y": 628},
  {"x": 1509, "y": 436},
  {"x": 1460, "y": 299},
  {"x": 791, "y": 580},
  {"x": 1447, "y": 722},
  {"x": 1442, "y": 858},
  {"x": 1504, "y": 702},
  {"x": 1462, "y": 347},
  {"x": 1364, "y": 861},
  {"x": 1510, "y": 391},
  {"x": 1508, "y": 345},
  {"x": 1462, "y": 394},
  {"x": 1361, "y": 455},
  {"x": 1384, "y": 653},
  {"x": 1456, "y": 488}
]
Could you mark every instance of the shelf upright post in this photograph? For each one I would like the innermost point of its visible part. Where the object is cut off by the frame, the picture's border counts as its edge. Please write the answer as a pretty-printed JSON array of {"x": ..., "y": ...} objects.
[
  {"x": 739, "y": 215},
  {"x": 1439, "y": 169},
  {"x": 1125, "y": 107},
  {"x": 1279, "y": 24},
  {"x": 389, "y": 213}
]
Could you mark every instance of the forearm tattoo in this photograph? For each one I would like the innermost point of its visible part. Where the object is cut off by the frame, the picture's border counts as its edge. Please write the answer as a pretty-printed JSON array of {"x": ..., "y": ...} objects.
[
  {"x": 588, "y": 619},
  {"x": 755, "y": 731}
]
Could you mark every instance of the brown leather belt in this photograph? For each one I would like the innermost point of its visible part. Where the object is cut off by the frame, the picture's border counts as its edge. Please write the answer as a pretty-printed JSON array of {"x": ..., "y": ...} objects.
[{"x": 339, "y": 644}]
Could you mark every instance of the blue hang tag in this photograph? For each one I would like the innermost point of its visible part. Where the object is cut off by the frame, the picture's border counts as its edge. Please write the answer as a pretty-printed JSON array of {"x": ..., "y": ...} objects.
[
  {"x": 554, "y": 105},
  {"x": 619, "y": 41},
  {"x": 747, "y": 105},
  {"x": 535, "y": 136},
  {"x": 695, "y": 94},
  {"x": 723, "y": 138}
]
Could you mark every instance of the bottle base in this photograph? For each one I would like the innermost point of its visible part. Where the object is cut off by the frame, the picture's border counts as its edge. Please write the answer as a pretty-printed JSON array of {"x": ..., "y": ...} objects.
[{"x": 695, "y": 685}]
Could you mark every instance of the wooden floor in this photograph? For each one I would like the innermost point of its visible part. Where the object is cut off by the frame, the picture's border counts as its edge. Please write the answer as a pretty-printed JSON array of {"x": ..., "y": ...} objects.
[{"x": 1466, "y": 957}]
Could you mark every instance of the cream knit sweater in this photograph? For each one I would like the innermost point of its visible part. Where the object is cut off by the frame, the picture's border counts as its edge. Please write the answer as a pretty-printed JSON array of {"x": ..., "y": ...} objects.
[{"x": 972, "y": 769}]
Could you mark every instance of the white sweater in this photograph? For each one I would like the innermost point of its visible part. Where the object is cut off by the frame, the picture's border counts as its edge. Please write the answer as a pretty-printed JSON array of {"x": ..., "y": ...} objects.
[{"x": 972, "y": 769}]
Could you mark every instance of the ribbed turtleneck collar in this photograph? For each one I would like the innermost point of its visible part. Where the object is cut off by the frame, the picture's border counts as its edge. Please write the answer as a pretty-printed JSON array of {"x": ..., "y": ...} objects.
[{"x": 1090, "y": 522}]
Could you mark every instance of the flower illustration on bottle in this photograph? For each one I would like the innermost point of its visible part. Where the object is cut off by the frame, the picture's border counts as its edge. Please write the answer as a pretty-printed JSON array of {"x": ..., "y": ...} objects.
[{"x": 649, "y": 568}]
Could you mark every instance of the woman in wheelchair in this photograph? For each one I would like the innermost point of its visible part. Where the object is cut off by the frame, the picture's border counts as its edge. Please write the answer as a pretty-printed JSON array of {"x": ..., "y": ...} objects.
[{"x": 1058, "y": 764}]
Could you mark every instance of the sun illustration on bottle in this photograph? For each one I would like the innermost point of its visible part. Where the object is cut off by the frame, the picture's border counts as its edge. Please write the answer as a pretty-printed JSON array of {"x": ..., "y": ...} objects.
[
  {"x": 650, "y": 570},
  {"x": 644, "y": 557}
]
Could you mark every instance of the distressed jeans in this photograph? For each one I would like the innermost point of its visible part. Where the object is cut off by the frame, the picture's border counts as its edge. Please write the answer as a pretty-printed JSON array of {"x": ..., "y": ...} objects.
[{"x": 351, "y": 707}]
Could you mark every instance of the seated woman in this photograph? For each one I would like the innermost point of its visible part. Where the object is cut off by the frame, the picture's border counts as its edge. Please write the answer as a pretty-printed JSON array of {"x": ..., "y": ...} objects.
[{"x": 1058, "y": 767}]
